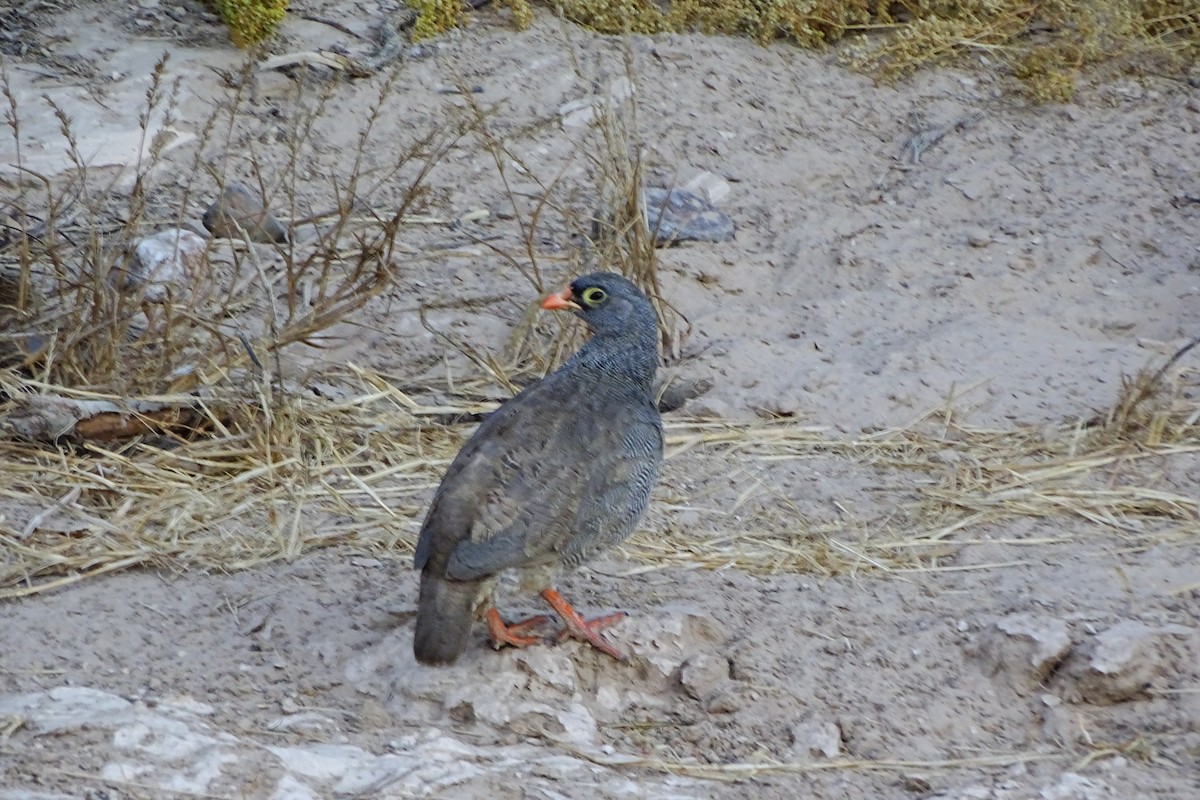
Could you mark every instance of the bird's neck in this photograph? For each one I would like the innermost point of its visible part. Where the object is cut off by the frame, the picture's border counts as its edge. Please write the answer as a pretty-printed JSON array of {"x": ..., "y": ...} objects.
[{"x": 627, "y": 357}]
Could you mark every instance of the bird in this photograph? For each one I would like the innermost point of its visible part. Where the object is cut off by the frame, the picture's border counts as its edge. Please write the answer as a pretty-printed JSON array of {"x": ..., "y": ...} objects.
[{"x": 555, "y": 475}]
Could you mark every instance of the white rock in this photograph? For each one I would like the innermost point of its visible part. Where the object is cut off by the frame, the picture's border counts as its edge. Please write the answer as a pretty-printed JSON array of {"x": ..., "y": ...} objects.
[
  {"x": 712, "y": 187},
  {"x": 125, "y": 771},
  {"x": 582, "y": 112},
  {"x": 186, "y": 705},
  {"x": 1023, "y": 649},
  {"x": 816, "y": 737},
  {"x": 67, "y": 708},
  {"x": 170, "y": 262},
  {"x": 289, "y": 788},
  {"x": 1074, "y": 787}
]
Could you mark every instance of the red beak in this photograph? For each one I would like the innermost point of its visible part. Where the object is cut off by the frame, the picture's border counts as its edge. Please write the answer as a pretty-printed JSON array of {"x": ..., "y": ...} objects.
[{"x": 561, "y": 300}]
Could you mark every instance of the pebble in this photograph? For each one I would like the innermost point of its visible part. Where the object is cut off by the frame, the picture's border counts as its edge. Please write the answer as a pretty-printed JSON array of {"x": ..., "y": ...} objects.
[
  {"x": 701, "y": 674},
  {"x": 978, "y": 237},
  {"x": 724, "y": 701},
  {"x": 816, "y": 737},
  {"x": 239, "y": 210},
  {"x": 582, "y": 112},
  {"x": 170, "y": 262},
  {"x": 1023, "y": 649},
  {"x": 677, "y": 215}
]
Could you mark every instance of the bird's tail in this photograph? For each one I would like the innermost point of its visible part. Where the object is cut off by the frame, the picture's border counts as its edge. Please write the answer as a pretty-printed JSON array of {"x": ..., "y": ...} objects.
[{"x": 445, "y": 612}]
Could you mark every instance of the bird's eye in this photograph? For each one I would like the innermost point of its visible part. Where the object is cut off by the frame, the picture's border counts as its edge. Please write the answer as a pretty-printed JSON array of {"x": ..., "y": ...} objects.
[{"x": 594, "y": 296}]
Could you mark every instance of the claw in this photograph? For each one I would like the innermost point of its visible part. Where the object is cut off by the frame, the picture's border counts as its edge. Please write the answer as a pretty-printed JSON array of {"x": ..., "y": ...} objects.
[
  {"x": 514, "y": 635},
  {"x": 583, "y": 629}
]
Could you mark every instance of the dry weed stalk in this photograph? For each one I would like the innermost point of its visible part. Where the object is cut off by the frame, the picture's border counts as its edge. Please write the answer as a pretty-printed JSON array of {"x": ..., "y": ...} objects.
[{"x": 606, "y": 221}]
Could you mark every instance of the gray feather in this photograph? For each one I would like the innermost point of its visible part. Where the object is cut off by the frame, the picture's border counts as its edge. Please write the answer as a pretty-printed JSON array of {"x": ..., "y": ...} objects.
[
  {"x": 555, "y": 475},
  {"x": 445, "y": 612}
]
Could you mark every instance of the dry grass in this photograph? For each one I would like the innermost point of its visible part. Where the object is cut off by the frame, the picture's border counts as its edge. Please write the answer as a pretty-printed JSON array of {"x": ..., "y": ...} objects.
[
  {"x": 740, "y": 771},
  {"x": 1044, "y": 45},
  {"x": 270, "y": 467},
  {"x": 358, "y": 471}
]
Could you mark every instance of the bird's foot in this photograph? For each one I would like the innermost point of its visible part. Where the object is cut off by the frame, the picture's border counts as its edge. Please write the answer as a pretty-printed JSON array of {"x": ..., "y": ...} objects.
[
  {"x": 585, "y": 630},
  {"x": 515, "y": 634}
]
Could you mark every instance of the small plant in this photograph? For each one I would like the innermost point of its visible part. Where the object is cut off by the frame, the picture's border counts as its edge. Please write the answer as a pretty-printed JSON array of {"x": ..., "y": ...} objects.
[
  {"x": 251, "y": 21},
  {"x": 436, "y": 16}
]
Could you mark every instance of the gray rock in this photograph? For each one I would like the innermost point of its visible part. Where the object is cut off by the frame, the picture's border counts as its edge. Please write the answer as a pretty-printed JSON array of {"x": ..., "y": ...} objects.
[
  {"x": 557, "y": 690},
  {"x": 674, "y": 393},
  {"x": 239, "y": 214},
  {"x": 700, "y": 675},
  {"x": 677, "y": 215}
]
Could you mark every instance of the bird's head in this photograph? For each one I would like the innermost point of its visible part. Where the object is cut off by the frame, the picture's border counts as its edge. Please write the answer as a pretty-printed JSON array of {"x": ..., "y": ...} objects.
[{"x": 607, "y": 302}]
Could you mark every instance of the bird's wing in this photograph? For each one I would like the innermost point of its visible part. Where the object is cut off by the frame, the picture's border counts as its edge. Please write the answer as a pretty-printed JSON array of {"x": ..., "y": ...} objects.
[
  {"x": 618, "y": 494},
  {"x": 511, "y": 495}
]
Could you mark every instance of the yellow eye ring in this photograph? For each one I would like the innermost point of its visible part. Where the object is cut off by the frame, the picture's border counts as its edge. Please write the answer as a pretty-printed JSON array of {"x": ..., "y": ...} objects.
[{"x": 594, "y": 295}]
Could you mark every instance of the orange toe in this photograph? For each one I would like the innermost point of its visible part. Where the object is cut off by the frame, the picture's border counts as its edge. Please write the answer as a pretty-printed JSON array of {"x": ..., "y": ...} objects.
[
  {"x": 516, "y": 634},
  {"x": 584, "y": 630}
]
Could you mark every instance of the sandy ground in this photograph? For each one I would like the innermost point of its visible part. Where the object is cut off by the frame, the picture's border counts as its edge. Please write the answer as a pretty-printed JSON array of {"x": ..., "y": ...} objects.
[{"x": 1019, "y": 267}]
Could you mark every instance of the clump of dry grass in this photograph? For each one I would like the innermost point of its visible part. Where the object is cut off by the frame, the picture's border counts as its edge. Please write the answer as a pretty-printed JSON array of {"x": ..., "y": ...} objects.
[
  {"x": 1045, "y": 45},
  {"x": 249, "y": 303},
  {"x": 222, "y": 483}
]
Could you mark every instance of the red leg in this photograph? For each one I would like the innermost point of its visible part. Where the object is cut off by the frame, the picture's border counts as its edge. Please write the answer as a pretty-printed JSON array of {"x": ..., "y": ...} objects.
[
  {"x": 583, "y": 629},
  {"x": 514, "y": 634}
]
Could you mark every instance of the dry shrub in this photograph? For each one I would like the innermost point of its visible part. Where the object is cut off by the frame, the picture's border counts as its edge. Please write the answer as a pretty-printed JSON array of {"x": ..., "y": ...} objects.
[{"x": 1044, "y": 43}]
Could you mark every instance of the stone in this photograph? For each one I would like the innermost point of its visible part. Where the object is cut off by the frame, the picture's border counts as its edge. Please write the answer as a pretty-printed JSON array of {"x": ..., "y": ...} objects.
[
  {"x": 978, "y": 237},
  {"x": 701, "y": 674},
  {"x": 711, "y": 187},
  {"x": 170, "y": 263},
  {"x": 1125, "y": 660},
  {"x": 674, "y": 393},
  {"x": 710, "y": 408},
  {"x": 239, "y": 214},
  {"x": 816, "y": 737},
  {"x": 724, "y": 701},
  {"x": 1022, "y": 649},
  {"x": 677, "y": 215}
]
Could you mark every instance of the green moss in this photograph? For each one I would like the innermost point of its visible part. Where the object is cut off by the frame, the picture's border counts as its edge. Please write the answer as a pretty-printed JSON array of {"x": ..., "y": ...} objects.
[
  {"x": 615, "y": 16},
  {"x": 1045, "y": 43},
  {"x": 522, "y": 13},
  {"x": 436, "y": 16},
  {"x": 811, "y": 23},
  {"x": 1048, "y": 72},
  {"x": 250, "y": 21}
]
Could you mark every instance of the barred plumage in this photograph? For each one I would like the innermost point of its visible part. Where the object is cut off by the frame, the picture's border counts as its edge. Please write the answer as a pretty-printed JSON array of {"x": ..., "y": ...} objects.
[{"x": 555, "y": 475}]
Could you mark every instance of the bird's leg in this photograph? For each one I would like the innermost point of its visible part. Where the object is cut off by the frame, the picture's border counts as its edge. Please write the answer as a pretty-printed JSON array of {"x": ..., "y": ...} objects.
[
  {"x": 514, "y": 634},
  {"x": 584, "y": 630}
]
